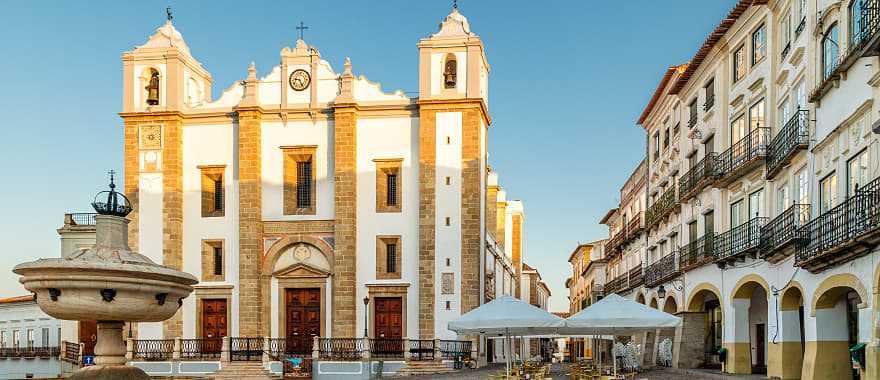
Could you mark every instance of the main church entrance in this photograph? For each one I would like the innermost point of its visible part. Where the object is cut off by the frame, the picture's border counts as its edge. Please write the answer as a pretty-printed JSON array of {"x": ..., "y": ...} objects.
[
  {"x": 303, "y": 319},
  {"x": 388, "y": 318}
]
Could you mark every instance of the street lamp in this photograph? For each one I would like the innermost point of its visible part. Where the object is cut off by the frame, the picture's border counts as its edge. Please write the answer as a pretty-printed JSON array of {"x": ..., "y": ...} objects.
[
  {"x": 661, "y": 292},
  {"x": 366, "y": 311}
]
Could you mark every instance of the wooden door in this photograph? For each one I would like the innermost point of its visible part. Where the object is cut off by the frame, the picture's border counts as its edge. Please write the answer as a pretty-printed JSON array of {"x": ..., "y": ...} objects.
[
  {"x": 214, "y": 324},
  {"x": 760, "y": 341},
  {"x": 388, "y": 318},
  {"x": 303, "y": 319},
  {"x": 88, "y": 336}
]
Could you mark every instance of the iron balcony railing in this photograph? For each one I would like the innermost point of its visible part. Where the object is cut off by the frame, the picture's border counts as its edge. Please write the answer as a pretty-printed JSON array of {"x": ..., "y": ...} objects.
[
  {"x": 697, "y": 253},
  {"x": 341, "y": 348},
  {"x": 660, "y": 209},
  {"x": 743, "y": 152},
  {"x": 245, "y": 349},
  {"x": 616, "y": 285},
  {"x": 452, "y": 349},
  {"x": 698, "y": 177},
  {"x": 662, "y": 270},
  {"x": 793, "y": 136},
  {"x": 739, "y": 240},
  {"x": 614, "y": 243},
  {"x": 841, "y": 232},
  {"x": 153, "y": 349},
  {"x": 420, "y": 349},
  {"x": 80, "y": 219},
  {"x": 863, "y": 43},
  {"x": 635, "y": 226},
  {"x": 783, "y": 229},
  {"x": 31, "y": 352},
  {"x": 201, "y": 349},
  {"x": 636, "y": 277},
  {"x": 386, "y": 348}
]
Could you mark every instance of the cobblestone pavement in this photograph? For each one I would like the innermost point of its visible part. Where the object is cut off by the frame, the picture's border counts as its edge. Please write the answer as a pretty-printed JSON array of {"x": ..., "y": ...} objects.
[{"x": 560, "y": 372}]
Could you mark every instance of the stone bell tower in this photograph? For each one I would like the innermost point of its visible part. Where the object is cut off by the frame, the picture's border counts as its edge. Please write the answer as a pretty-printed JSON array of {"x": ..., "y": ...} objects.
[
  {"x": 161, "y": 82},
  {"x": 453, "y": 122}
]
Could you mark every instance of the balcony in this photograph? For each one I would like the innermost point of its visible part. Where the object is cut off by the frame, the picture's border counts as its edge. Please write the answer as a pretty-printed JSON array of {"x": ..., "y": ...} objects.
[
  {"x": 612, "y": 247},
  {"x": 743, "y": 156},
  {"x": 778, "y": 234},
  {"x": 847, "y": 231},
  {"x": 864, "y": 44},
  {"x": 697, "y": 253},
  {"x": 698, "y": 177},
  {"x": 740, "y": 241},
  {"x": 636, "y": 277},
  {"x": 662, "y": 208},
  {"x": 662, "y": 270},
  {"x": 635, "y": 226},
  {"x": 618, "y": 284},
  {"x": 793, "y": 137}
]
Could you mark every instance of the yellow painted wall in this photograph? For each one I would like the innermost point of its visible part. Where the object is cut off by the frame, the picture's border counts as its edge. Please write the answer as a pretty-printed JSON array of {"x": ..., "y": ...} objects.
[
  {"x": 826, "y": 360},
  {"x": 784, "y": 360}
]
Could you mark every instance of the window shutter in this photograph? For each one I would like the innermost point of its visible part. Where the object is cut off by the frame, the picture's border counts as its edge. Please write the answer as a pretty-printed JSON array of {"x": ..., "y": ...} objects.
[
  {"x": 218, "y": 194},
  {"x": 391, "y": 258},
  {"x": 392, "y": 190},
  {"x": 304, "y": 184},
  {"x": 218, "y": 261}
]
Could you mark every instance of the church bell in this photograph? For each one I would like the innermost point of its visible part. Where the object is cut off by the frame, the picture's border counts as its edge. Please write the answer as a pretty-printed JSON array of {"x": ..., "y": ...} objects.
[{"x": 153, "y": 90}]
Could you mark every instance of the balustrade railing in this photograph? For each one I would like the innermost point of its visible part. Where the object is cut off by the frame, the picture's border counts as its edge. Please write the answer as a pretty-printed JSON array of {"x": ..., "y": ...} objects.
[
  {"x": 741, "y": 239},
  {"x": 614, "y": 243},
  {"x": 340, "y": 348},
  {"x": 153, "y": 349},
  {"x": 636, "y": 277},
  {"x": 616, "y": 285},
  {"x": 245, "y": 349},
  {"x": 451, "y": 349},
  {"x": 792, "y": 136},
  {"x": 751, "y": 147},
  {"x": 32, "y": 352},
  {"x": 662, "y": 270},
  {"x": 420, "y": 349},
  {"x": 699, "y": 176},
  {"x": 697, "y": 253},
  {"x": 822, "y": 240},
  {"x": 635, "y": 225},
  {"x": 783, "y": 229},
  {"x": 201, "y": 349},
  {"x": 386, "y": 348}
]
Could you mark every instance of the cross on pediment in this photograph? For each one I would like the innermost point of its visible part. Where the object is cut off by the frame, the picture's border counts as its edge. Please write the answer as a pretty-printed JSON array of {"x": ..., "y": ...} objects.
[{"x": 302, "y": 28}]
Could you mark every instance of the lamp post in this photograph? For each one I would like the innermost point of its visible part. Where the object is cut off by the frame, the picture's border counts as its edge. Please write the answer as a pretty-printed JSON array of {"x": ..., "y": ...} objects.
[{"x": 366, "y": 311}]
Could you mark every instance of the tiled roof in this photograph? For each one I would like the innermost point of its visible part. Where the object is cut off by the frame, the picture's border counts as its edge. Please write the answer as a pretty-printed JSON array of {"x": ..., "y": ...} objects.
[{"x": 659, "y": 91}]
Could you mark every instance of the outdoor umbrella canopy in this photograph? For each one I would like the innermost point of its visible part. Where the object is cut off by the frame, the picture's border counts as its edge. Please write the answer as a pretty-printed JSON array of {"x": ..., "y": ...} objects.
[
  {"x": 507, "y": 315},
  {"x": 615, "y": 315}
]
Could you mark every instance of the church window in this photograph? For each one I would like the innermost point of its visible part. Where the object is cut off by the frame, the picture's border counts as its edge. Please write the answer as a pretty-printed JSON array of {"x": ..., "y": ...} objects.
[
  {"x": 213, "y": 259},
  {"x": 388, "y": 185},
  {"x": 448, "y": 261},
  {"x": 448, "y": 221},
  {"x": 450, "y": 72},
  {"x": 388, "y": 258},
  {"x": 213, "y": 190},
  {"x": 448, "y": 305},
  {"x": 448, "y": 181},
  {"x": 299, "y": 180}
]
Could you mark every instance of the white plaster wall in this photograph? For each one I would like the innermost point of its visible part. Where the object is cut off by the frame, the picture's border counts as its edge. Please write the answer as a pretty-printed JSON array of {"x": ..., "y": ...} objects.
[
  {"x": 138, "y": 95},
  {"x": 210, "y": 145},
  {"x": 297, "y": 133},
  {"x": 24, "y": 316},
  {"x": 150, "y": 234},
  {"x": 448, "y": 204},
  {"x": 437, "y": 67},
  {"x": 395, "y": 138}
]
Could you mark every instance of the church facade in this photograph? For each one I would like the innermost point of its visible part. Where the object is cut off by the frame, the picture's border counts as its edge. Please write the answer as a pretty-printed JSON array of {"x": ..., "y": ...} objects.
[{"x": 310, "y": 202}]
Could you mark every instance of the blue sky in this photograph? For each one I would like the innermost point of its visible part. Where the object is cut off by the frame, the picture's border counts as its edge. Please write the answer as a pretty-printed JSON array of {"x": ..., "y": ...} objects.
[{"x": 569, "y": 78}]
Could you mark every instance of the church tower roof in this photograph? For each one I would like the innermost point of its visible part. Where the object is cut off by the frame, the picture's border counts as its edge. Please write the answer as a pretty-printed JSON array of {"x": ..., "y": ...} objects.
[
  {"x": 167, "y": 36},
  {"x": 455, "y": 25}
]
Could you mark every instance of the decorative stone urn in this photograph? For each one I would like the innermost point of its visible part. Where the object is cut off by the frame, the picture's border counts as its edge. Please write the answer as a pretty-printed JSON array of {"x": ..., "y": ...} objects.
[{"x": 108, "y": 283}]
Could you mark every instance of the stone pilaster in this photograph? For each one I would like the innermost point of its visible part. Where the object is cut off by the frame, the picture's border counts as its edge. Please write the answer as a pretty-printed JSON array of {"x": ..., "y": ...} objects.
[
  {"x": 688, "y": 344},
  {"x": 492, "y": 211},
  {"x": 345, "y": 229},
  {"x": 250, "y": 220},
  {"x": 516, "y": 252},
  {"x": 131, "y": 175},
  {"x": 473, "y": 184},
  {"x": 427, "y": 223}
]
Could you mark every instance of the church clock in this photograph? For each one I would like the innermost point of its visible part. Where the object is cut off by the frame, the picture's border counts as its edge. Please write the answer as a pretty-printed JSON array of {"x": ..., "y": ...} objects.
[{"x": 299, "y": 80}]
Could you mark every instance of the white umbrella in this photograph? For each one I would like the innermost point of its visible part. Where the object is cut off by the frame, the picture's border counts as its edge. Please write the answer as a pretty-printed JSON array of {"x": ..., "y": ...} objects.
[
  {"x": 615, "y": 315},
  {"x": 506, "y": 315}
]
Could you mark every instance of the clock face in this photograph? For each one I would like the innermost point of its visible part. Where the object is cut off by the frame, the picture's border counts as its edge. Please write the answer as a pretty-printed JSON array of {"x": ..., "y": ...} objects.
[{"x": 299, "y": 80}]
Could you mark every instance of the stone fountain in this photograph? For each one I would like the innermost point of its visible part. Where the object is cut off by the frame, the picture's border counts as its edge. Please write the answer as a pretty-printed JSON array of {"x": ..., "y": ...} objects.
[{"x": 108, "y": 283}]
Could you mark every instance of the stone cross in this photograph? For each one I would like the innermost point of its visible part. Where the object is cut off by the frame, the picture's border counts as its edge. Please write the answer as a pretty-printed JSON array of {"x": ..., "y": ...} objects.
[{"x": 302, "y": 28}]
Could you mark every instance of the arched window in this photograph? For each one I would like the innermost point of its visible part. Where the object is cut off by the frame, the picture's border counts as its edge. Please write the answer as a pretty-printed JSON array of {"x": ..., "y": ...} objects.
[
  {"x": 855, "y": 22},
  {"x": 830, "y": 51},
  {"x": 450, "y": 72}
]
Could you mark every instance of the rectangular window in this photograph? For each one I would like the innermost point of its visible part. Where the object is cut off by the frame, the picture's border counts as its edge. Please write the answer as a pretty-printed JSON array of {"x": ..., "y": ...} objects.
[
  {"x": 737, "y": 212},
  {"x": 304, "y": 184},
  {"x": 213, "y": 259},
  {"x": 855, "y": 21},
  {"x": 756, "y": 205},
  {"x": 756, "y": 116},
  {"x": 759, "y": 45},
  {"x": 666, "y": 138},
  {"x": 737, "y": 129},
  {"x": 656, "y": 145},
  {"x": 30, "y": 338},
  {"x": 800, "y": 96},
  {"x": 709, "y": 222},
  {"x": 388, "y": 257},
  {"x": 675, "y": 129},
  {"x": 783, "y": 199},
  {"x": 739, "y": 63},
  {"x": 803, "y": 187},
  {"x": 2, "y": 339},
  {"x": 785, "y": 34},
  {"x": 44, "y": 336},
  {"x": 827, "y": 192},
  {"x": 299, "y": 179},
  {"x": 784, "y": 113},
  {"x": 16, "y": 338},
  {"x": 709, "y": 89},
  {"x": 388, "y": 185},
  {"x": 692, "y": 113},
  {"x": 213, "y": 190},
  {"x": 857, "y": 173},
  {"x": 709, "y": 145}
]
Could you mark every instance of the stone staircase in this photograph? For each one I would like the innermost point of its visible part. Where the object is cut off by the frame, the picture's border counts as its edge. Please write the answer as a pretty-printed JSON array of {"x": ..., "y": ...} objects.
[
  {"x": 245, "y": 371},
  {"x": 424, "y": 367}
]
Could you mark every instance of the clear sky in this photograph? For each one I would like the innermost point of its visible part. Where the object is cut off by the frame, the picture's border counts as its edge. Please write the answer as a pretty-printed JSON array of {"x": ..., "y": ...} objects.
[{"x": 569, "y": 79}]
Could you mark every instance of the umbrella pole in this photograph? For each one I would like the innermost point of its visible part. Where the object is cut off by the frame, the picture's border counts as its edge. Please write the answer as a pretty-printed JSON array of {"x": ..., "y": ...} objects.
[
  {"x": 507, "y": 352},
  {"x": 613, "y": 356}
]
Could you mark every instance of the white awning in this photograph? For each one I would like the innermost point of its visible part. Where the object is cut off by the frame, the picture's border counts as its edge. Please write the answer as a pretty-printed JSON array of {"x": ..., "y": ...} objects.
[
  {"x": 615, "y": 315},
  {"x": 507, "y": 315}
]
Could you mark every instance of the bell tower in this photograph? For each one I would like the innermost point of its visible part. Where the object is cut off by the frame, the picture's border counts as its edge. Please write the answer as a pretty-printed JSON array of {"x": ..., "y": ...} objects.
[
  {"x": 162, "y": 75},
  {"x": 452, "y": 62}
]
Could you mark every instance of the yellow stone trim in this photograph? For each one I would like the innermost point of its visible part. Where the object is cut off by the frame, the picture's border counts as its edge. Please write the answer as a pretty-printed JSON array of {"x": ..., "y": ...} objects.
[
  {"x": 784, "y": 360},
  {"x": 745, "y": 286},
  {"x": 671, "y": 296},
  {"x": 739, "y": 358},
  {"x": 822, "y": 299},
  {"x": 289, "y": 227},
  {"x": 388, "y": 290},
  {"x": 696, "y": 290},
  {"x": 788, "y": 304}
]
